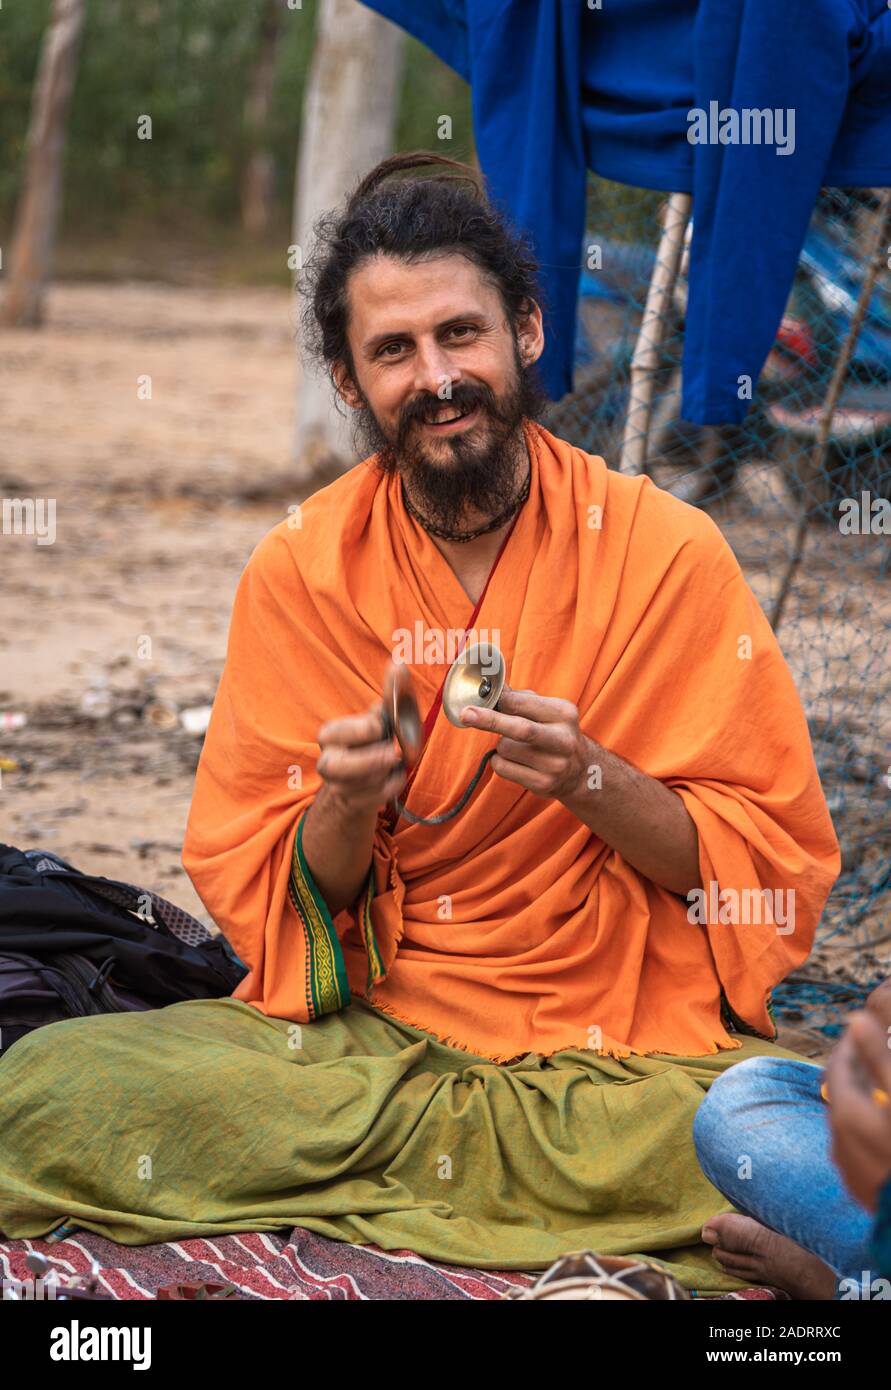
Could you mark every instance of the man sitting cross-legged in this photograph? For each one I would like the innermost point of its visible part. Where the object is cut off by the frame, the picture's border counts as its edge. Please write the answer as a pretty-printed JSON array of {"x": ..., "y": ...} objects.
[{"x": 486, "y": 1038}]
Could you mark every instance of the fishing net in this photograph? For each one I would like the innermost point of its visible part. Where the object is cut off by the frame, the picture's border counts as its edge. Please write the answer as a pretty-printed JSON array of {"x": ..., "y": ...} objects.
[{"x": 804, "y": 521}]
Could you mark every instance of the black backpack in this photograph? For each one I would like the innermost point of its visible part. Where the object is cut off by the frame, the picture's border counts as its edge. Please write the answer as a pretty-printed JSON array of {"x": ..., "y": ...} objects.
[{"x": 72, "y": 944}]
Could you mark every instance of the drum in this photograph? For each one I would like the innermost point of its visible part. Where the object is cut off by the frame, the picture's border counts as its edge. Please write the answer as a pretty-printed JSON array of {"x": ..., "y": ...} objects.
[{"x": 586, "y": 1276}]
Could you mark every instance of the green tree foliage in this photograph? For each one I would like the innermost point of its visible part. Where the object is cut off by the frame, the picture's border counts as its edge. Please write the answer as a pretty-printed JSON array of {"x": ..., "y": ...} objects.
[{"x": 184, "y": 63}]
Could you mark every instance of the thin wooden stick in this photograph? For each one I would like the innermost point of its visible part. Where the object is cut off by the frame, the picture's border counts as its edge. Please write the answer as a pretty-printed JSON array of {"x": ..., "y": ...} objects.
[
  {"x": 881, "y": 230},
  {"x": 652, "y": 332}
]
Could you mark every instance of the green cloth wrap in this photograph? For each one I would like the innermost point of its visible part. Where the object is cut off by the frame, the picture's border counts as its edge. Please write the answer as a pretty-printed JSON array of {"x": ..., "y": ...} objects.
[{"x": 208, "y": 1117}]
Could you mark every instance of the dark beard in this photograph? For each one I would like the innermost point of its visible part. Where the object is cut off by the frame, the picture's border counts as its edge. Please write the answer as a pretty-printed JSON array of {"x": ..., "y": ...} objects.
[{"x": 480, "y": 471}]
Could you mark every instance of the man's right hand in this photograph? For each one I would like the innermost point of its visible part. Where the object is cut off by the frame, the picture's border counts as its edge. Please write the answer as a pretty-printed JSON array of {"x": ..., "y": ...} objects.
[{"x": 360, "y": 769}]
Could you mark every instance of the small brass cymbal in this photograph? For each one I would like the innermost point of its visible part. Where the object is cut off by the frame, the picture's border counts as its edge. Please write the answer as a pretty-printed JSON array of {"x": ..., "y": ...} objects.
[
  {"x": 476, "y": 678},
  {"x": 402, "y": 717}
]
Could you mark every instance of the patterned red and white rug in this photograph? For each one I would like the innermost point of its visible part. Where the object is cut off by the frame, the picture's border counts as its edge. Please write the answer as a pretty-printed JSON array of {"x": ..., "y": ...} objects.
[{"x": 300, "y": 1266}]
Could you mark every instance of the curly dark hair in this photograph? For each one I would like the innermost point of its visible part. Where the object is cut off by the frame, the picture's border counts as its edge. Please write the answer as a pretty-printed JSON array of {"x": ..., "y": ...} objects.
[{"x": 412, "y": 219}]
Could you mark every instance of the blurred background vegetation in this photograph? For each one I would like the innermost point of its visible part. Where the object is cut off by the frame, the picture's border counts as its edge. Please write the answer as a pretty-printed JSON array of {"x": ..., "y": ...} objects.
[{"x": 170, "y": 208}]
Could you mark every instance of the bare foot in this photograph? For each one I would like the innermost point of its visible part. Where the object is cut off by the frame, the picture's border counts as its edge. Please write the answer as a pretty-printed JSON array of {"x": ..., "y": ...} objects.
[{"x": 758, "y": 1255}]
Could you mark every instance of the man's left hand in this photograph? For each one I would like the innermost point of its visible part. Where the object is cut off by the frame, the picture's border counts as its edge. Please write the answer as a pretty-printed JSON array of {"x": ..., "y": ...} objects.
[{"x": 541, "y": 746}]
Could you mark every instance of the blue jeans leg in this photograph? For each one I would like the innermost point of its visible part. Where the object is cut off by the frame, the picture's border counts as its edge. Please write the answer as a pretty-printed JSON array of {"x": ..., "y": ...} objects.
[{"x": 762, "y": 1138}]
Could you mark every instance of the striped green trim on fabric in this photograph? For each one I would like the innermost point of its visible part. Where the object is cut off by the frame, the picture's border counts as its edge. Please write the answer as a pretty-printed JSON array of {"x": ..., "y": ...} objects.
[
  {"x": 375, "y": 963},
  {"x": 326, "y": 983}
]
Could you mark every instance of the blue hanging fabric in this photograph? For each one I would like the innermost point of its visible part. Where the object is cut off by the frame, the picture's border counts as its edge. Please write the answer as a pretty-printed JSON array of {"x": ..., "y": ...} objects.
[{"x": 558, "y": 88}]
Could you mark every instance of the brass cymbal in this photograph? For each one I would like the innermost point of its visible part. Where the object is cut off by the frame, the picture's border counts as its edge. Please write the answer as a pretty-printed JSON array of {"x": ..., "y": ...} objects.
[
  {"x": 476, "y": 678},
  {"x": 402, "y": 717}
]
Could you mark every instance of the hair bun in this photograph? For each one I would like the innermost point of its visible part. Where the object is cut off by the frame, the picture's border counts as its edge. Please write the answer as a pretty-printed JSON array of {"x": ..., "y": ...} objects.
[{"x": 450, "y": 170}]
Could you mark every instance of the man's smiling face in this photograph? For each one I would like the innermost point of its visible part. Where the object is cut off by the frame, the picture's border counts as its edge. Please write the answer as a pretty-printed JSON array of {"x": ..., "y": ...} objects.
[{"x": 440, "y": 384}]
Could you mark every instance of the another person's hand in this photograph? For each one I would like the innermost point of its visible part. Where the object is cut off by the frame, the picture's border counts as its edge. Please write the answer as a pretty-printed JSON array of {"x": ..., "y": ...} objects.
[
  {"x": 861, "y": 1125},
  {"x": 360, "y": 769},
  {"x": 879, "y": 1002}
]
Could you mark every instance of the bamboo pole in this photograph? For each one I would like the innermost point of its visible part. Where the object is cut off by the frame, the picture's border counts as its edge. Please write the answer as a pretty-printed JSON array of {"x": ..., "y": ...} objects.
[{"x": 645, "y": 361}]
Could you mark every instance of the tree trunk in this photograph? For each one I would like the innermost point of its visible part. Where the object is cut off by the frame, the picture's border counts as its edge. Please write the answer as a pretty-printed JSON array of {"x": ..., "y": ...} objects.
[
  {"x": 37, "y": 215},
  {"x": 257, "y": 180},
  {"x": 348, "y": 126}
]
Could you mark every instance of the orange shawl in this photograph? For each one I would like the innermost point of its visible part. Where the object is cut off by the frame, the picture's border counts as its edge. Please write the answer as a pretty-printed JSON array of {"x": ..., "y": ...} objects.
[{"x": 609, "y": 593}]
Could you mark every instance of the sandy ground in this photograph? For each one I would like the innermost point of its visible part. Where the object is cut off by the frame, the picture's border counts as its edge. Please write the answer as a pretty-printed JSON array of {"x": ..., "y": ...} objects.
[{"x": 158, "y": 505}]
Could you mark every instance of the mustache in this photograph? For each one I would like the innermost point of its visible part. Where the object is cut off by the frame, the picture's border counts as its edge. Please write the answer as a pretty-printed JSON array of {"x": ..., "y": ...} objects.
[{"x": 463, "y": 398}]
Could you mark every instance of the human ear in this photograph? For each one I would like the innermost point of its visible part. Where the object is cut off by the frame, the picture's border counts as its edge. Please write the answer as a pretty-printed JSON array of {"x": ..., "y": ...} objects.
[
  {"x": 346, "y": 387},
  {"x": 530, "y": 334}
]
